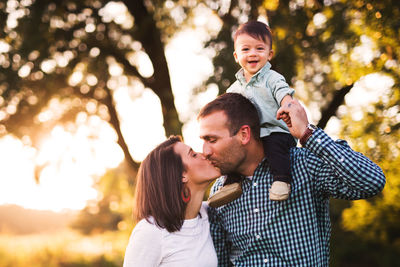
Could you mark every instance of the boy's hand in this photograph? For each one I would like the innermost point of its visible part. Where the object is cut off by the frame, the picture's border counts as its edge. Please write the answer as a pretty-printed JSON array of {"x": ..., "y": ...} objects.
[
  {"x": 285, "y": 117},
  {"x": 295, "y": 113}
]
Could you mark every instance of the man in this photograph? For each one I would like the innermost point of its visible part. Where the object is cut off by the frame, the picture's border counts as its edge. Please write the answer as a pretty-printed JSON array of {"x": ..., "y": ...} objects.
[{"x": 255, "y": 231}]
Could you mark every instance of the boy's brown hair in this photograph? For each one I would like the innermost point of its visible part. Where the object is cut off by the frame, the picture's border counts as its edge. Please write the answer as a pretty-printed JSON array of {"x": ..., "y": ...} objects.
[{"x": 255, "y": 29}]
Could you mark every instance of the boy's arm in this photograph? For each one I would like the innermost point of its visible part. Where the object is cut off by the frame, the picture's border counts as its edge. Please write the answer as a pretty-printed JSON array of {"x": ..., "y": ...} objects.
[
  {"x": 285, "y": 101},
  {"x": 281, "y": 92}
]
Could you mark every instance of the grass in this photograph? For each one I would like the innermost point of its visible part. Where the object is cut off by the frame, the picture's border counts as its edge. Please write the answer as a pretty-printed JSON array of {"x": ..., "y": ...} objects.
[{"x": 66, "y": 249}]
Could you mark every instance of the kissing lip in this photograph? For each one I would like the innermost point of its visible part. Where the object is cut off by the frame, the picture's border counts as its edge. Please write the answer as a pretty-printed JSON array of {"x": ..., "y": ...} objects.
[{"x": 212, "y": 162}]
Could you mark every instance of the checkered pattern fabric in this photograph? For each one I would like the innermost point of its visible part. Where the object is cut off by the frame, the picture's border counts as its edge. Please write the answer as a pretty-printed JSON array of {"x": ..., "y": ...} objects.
[{"x": 255, "y": 231}]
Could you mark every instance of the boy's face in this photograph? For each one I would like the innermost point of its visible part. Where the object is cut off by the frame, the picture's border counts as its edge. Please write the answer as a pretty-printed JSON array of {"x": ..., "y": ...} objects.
[{"x": 251, "y": 54}]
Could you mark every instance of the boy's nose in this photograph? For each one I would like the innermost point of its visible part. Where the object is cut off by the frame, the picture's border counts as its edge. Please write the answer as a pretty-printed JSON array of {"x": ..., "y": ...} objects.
[{"x": 253, "y": 51}]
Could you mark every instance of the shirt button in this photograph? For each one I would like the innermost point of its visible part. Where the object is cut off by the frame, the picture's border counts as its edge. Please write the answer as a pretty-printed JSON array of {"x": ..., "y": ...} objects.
[
  {"x": 341, "y": 159},
  {"x": 258, "y": 236},
  {"x": 319, "y": 140},
  {"x": 265, "y": 260},
  {"x": 256, "y": 210},
  {"x": 255, "y": 184}
]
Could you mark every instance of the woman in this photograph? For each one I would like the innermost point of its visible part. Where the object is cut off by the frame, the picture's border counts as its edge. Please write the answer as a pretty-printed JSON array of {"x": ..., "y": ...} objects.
[{"x": 173, "y": 228}]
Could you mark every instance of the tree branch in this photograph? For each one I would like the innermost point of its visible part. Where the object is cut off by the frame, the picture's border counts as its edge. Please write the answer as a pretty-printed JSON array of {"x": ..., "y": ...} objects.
[{"x": 333, "y": 106}]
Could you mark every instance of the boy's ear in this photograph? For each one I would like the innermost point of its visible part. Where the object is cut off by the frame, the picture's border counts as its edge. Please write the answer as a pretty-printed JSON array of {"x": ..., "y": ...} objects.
[
  {"x": 235, "y": 56},
  {"x": 271, "y": 54}
]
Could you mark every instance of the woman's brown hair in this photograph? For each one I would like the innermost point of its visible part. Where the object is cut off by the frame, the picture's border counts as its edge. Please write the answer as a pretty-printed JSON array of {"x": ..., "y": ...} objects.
[{"x": 159, "y": 186}]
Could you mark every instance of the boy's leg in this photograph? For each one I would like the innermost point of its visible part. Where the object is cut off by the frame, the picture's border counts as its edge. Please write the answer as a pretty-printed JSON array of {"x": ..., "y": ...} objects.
[{"x": 276, "y": 149}]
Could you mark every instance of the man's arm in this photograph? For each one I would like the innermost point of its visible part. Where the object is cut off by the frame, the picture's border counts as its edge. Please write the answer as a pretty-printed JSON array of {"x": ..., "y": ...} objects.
[{"x": 343, "y": 173}]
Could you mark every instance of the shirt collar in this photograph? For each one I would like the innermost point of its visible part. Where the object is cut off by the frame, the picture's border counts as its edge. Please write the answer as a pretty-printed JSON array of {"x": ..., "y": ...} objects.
[
  {"x": 240, "y": 74},
  {"x": 262, "y": 164}
]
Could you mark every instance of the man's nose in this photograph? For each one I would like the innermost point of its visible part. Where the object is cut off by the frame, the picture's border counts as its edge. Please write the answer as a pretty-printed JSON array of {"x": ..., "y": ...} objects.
[{"x": 206, "y": 150}]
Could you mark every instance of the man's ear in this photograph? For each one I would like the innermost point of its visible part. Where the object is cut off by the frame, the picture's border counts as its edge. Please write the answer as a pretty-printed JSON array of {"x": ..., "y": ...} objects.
[{"x": 245, "y": 134}]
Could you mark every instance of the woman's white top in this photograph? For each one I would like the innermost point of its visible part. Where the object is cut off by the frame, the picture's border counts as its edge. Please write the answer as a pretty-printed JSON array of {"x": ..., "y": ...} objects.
[{"x": 192, "y": 246}]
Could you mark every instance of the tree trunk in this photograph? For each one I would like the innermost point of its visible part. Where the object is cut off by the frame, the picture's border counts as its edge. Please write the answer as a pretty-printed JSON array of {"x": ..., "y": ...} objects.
[{"x": 149, "y": 35}]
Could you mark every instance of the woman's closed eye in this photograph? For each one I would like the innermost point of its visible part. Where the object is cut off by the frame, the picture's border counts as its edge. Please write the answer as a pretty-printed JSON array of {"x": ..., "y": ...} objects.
[{"x": 192, "y": 153}]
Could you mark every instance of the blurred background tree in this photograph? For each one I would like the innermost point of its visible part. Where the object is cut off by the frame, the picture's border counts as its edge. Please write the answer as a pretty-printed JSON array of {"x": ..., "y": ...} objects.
[{"x": 341, "y": 56}]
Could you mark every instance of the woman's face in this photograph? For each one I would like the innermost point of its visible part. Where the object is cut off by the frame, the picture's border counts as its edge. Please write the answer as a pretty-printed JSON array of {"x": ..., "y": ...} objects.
[{"x": 198, "y": 169}]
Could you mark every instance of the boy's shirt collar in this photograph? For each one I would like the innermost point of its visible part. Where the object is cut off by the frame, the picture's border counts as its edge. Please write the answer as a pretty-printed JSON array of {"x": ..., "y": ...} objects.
[{"x": 240, "y": 74}]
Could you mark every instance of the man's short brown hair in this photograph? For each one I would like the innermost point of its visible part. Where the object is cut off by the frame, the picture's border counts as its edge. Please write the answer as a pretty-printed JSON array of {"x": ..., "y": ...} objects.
[{"x": 239, "y": 111}]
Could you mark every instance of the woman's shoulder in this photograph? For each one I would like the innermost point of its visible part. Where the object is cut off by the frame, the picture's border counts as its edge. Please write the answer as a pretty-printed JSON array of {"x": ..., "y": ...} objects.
[
  {"x": 204, "y": 210},
  {"x": 145, "y": 245},
  {"x": 147, "y": 227}
]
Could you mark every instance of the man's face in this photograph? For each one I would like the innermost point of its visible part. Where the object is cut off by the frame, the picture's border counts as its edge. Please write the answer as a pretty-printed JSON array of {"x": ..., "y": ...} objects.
[{"x": 224, "y": 151}]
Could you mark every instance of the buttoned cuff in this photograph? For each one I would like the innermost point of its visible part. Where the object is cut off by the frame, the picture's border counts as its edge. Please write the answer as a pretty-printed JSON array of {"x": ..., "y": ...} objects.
[{"x": 318, "y": 141}]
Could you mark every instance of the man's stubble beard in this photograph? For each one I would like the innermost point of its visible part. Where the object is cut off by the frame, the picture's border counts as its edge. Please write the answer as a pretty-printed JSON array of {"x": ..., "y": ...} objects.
[{"x": 232, "y": 159}]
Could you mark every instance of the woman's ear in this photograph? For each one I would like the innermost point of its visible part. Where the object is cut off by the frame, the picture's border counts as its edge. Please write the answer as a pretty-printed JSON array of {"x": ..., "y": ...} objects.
[{"x": 184, "y": 177}]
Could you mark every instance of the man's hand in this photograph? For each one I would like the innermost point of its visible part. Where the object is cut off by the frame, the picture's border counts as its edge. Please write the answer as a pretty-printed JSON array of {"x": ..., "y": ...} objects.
[{"x": 295, "y": 114}]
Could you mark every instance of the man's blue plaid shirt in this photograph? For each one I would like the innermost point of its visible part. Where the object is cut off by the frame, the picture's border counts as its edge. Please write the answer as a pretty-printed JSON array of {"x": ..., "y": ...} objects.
[{"x": 255, "y": 231}]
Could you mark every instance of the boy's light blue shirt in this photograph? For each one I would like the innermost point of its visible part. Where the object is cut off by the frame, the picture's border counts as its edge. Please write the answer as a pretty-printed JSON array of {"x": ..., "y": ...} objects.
[{"x": 265, "y": 90}]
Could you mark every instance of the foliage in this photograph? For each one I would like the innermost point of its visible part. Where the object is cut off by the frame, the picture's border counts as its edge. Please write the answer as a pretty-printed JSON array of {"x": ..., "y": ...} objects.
[
  {"x": 324, "y": 49},
  {"x": 113, "y": 210},
  {"x": 80, "y": 52},
  {"x": 318, "y": 46},
  {"x": 63, "y": 249}
]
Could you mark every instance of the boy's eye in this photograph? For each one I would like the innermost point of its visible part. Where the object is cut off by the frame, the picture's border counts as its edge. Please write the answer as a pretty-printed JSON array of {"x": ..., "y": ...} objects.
[
  {"x": 245, "y": 49},
  {"x": 260, "y": 48}
]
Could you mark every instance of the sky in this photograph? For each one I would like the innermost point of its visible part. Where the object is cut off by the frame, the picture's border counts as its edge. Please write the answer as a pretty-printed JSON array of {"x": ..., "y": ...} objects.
[{"x": 71, "y": 162}]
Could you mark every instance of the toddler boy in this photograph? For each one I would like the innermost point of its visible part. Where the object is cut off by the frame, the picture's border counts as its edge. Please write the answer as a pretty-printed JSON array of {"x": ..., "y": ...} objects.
[{"x": 267, "y": 90}]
